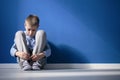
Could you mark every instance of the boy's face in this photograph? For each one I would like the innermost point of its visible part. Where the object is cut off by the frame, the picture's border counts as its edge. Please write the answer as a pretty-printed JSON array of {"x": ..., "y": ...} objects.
[{"x": 30, "y": 30}]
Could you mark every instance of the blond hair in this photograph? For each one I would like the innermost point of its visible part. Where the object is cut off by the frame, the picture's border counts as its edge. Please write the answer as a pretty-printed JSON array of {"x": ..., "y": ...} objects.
[{"x": 33, "y": 20}]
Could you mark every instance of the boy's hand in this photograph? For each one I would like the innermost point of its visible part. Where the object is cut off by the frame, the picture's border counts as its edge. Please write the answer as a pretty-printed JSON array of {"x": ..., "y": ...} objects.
[
  {"x": 23, "y": 55},
  {"x": 35, "y": 57}
]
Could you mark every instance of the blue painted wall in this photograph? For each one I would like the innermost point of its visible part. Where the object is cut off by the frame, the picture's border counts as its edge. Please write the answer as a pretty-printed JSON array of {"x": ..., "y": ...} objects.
[{"x": 79, "y": 31}]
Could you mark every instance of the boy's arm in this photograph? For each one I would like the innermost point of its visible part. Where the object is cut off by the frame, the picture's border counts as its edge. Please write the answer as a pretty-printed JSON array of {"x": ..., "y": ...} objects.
[
  {"x": 15, "y": 53},
  {"x": 13, "y": 50},
  {"x": 47, "y": 51}
]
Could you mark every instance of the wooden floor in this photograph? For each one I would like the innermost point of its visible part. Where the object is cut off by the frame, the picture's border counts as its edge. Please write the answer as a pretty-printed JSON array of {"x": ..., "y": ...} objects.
[{"x": 59, "y": 74}]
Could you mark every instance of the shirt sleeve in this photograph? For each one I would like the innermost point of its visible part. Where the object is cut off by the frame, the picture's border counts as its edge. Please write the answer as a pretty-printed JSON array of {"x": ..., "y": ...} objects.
[
  {"x": 13, "y": 50},
  {"x": 47, "y": 51}
]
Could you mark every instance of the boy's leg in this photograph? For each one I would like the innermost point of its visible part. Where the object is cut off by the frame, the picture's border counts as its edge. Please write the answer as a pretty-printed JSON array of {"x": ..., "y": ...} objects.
[
  {"x": 21, "y": 44},
  {"x": 40, "y": 44},
  {"x": 40, "y": 41},
  {"x": 20, "y": 41}
]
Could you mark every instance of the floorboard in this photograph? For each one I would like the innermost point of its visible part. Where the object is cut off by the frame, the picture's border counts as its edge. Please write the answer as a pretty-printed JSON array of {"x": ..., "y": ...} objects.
[{"x": 59, "y": 74}]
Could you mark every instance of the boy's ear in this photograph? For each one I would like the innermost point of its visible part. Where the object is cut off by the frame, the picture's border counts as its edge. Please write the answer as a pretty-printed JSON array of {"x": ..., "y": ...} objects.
[{"x": 24, "y": 25}]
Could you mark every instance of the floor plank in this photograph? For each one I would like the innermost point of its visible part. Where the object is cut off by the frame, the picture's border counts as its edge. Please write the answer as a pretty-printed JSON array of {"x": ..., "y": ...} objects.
[{"x": 59, "y": 74}]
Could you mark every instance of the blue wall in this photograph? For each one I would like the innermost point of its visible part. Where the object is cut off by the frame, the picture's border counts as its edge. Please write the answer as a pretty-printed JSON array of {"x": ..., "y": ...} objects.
[{"x": 79, "y": 31}]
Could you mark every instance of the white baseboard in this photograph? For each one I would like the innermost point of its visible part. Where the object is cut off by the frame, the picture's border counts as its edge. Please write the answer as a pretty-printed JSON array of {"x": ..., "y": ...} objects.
[{"x": 70, "y": 66}]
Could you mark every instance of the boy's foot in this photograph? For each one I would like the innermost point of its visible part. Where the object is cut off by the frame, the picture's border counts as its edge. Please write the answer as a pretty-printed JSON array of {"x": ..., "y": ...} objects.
[
  {"x": 36, "y": 66},
  {"x": 26, "y": 66}
]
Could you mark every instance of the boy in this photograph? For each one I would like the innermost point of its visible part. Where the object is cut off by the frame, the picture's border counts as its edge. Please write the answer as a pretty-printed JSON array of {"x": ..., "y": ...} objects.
[{"x": 30, "y": 46}]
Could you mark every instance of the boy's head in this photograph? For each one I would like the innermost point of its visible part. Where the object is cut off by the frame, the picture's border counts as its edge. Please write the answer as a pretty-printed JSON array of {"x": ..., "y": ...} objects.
[{"x": 31, "y": 25}]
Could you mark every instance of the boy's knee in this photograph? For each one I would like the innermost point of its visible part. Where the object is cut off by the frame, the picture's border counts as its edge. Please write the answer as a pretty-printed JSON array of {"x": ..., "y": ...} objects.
[
  {"x": 41, "y": 32},
  {"x": 19, "y": 33}
]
